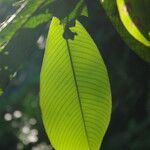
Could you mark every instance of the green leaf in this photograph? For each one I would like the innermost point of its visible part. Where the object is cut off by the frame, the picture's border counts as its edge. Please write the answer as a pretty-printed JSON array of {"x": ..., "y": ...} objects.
[
  {"x": 84, "y": 11},
  {"x": 126, "y": 26},
  {"x": 129, "y": 23},
  {"x": 75, "y": 96},
  {"x": 37, "y": 20},
  {"x": 17, "y": 20}
]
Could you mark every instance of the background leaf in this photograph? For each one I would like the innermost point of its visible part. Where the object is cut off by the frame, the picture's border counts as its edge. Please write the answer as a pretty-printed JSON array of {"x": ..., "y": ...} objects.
[
  {"x": 9, "y": 27},
  {"x": 37, "y": 20},
  {"x": 75, "y": 95},
  {"x": 125, "y": 8},
  {"x": 112, "y": 11}
]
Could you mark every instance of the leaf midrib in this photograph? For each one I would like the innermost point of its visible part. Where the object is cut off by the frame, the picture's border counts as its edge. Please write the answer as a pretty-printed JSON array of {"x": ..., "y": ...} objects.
[{"x": 77, "y": 89}]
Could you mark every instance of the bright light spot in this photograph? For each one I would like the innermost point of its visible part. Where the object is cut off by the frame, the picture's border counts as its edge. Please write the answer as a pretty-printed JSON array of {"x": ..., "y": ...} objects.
[
  {"x": 5, "y": 23},
  {"x": 13, "y": 75},
  {"x": 28, "y": 135},
  {"x": 32, "y": 138},
  {"x": 17, "y": 114},
  {"x": 23, "y": 138},
  {"x": 34, "y": 132},
  {"x": 6, "y": 53},
  {"x": 8, "y": 117},
  {"x": 5, "y": 67},
  {"x": 1, "y": 92},
  {"x": 41, "y": 42},
  {"x": 26, "y": 130},
  {"x": 32, "y": 121},
  {"x": 42, "y": 146},
  {"x": 125, "y": 9}
]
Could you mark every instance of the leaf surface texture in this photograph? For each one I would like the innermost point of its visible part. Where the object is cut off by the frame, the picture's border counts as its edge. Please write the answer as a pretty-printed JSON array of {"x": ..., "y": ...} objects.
[{"x": 75, "y": 96}]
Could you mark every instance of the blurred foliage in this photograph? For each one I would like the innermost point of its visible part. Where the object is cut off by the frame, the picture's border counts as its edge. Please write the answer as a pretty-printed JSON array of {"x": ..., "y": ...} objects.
[{"x": 20, "y": 63}]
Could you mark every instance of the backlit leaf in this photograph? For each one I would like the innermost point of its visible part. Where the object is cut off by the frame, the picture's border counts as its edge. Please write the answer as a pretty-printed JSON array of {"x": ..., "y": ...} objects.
[{"x": 75, "y": 96}]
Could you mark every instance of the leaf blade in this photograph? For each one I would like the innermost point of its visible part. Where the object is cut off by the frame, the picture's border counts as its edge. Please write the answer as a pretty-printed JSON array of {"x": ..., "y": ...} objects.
[{"x": 75, "y": 95}]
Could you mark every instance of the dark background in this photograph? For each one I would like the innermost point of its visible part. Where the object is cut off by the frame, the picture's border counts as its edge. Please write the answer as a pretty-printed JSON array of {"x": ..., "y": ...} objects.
[{"x": 20, "y": 63}]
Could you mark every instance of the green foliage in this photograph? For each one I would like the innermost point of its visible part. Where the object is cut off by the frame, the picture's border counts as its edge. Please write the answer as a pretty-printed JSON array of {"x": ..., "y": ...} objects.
[
  {"x": 129, "y": 23},
  {"x": 75, "y": 95},
  {"x": 127, "y": 27},
  {"x": 139, "y": 11},
  {"x": 75, "y": 91},
  {"x": 37, "y": 20},
  {"x": 29, "y": 15},
  {"x": 68, "y": 11},
  {"x": 17, "y": 20}
]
